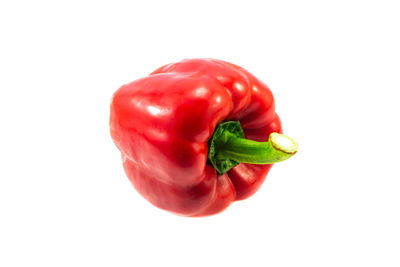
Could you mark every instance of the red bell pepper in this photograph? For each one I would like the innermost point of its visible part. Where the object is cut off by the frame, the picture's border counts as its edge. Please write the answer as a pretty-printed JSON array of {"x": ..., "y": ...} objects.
[{"x": 197, "y": 135}]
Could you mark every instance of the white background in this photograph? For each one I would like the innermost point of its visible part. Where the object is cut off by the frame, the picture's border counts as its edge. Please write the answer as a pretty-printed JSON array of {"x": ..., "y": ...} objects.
[{"x": 333, "y": 66}]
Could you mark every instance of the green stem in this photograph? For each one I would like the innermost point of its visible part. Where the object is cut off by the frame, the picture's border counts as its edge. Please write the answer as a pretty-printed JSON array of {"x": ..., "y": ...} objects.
[
  {"x": 228, "y": 147},
  {"x": 278, "y": 148}
]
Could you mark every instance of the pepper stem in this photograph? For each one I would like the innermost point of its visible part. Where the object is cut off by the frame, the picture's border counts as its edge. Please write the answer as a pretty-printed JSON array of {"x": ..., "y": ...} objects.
[
  {"x": 278, "y": 148},
  {"x": 228, "y": 147}
]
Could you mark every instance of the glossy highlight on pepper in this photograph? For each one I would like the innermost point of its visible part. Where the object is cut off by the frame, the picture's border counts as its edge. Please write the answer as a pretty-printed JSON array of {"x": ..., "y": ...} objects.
[{"x": 166, "y": 126}]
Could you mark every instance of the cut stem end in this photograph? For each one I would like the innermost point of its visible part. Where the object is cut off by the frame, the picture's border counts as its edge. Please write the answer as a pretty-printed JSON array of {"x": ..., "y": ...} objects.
[{"x": 283, "y": 143}]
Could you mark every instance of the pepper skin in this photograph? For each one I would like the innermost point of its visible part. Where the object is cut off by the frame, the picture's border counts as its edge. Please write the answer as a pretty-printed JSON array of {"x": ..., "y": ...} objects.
[{"x": 162, "y": 124}]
